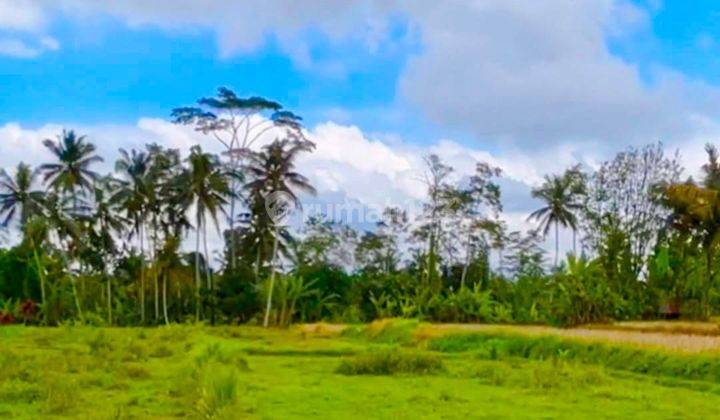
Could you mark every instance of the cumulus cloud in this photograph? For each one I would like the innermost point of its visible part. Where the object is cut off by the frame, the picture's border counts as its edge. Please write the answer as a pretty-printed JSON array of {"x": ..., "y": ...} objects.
[
  {"x": 506, "y": 71},
  {"x": 22, "y": 15},
  {"x": 357, "y": 175},
  {"x": 25, "y": 17},
  {"x": 533, "y": 82},
  {"x": 540, "y": 72},
  {"x": 17, "y": 48}
]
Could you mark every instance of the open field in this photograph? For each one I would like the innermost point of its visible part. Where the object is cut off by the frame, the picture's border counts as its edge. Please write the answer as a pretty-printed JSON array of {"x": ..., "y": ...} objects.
[{"x": 389, "y": 369}]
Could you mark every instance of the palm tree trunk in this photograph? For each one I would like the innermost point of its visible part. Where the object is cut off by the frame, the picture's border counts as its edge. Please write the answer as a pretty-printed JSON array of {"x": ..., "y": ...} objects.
[
  {"x": 557, "y": 243},
  {"x": 500, "y": 260},
  {"x": 268, "y": 307},
  {"x": 41, "y": 272},
  {"x": 467, "y": 262},
  {"x": 142, "y": 273},
  {"x": 77, "y": 298},
  {"x": 232, "y": 224},
  {"x": 208, "y": 274},
  {"x": 109, "y": 301},
  {"x": 155, "y": 273},
  {"x": 197, "y": 270},
  {"x": 72, "y": 284},
  {"x": 164, "y": 299},
  {"x": 708, "y": 265},
  {"x": 257, "y": 261},
  {"x": 574, "y": 241}
]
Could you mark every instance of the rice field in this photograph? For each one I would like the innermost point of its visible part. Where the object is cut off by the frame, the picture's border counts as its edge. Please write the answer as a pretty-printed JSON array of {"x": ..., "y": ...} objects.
[
  {"x": 663, "y": 335},
  {"x": 387, "y": 369}
]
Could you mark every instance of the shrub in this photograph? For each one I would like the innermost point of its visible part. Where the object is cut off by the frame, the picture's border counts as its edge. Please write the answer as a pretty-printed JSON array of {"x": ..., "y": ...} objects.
[{"x": 391, "y": 362}]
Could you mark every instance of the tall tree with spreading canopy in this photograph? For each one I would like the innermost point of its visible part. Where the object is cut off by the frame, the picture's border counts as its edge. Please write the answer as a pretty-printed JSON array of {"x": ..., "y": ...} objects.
[
  {"x": 440, "y": 198},
  {"x": 237, "y": 123},
  {"x": 624, "y": 195}
]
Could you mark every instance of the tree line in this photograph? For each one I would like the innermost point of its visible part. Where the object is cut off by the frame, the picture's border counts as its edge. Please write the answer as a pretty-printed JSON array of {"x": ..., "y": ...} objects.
[{"x": 106, "y": 248}]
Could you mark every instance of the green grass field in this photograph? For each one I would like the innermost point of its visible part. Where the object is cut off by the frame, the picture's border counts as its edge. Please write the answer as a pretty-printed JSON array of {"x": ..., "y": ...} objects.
[{"x": 379, "y": 371}]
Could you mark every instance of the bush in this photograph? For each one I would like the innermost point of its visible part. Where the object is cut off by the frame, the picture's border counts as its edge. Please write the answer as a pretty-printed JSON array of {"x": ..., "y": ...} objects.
[
  {"x": 467, "y": 305},
  {"x": 391, "y": 362}
]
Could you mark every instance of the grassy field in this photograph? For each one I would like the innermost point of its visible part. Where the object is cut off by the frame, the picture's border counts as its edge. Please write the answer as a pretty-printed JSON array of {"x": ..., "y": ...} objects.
[{"x": 394, "y": 369}]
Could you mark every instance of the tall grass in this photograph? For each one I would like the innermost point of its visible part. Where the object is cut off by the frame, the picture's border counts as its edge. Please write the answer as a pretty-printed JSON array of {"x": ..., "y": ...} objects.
[
  {"x": 645, "y": 361},
  {"x": 391, "y": 362},
  {"x": 388, "y": 331},
  {"x": 218, "y": 391}
]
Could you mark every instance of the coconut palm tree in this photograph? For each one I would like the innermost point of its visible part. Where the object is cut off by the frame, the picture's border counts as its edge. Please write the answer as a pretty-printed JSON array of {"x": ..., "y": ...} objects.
[
  {"x": 170, "y": 265},
  {"x": 273, "y": 175},
  {"x": 17, "y": 196},
  {"x": 131, "y": 196},
  {"x": 105, "y": 224},
  {"x": 71, "y": 174},
  {"x": 577, "y": 180},
  {"x": 70, "y": 177},
  {"x": 560, "y": 207},
  {"x": 203, "y": 187}
]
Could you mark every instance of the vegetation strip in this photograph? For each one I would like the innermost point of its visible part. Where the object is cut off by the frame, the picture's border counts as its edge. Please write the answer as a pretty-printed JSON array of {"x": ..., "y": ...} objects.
[{"x": 496, "y": 346}]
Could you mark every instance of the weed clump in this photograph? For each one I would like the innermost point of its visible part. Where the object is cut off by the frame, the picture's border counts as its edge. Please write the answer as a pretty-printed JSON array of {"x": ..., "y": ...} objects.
[
  {"x": 391, "y": 362},
  {"x": 136, "y": 371},
  {"x": 217, "y": 353},
  {"x": 218, "y": 391},
  {"x": 161, "y": 351},
  {"x": 99, "y": 344},
  {"x": 388, "y": 331}
]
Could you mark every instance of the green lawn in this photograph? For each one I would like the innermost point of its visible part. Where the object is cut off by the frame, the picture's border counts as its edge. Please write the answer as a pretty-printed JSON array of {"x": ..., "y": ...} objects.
[{"x": 247, "y": 372}]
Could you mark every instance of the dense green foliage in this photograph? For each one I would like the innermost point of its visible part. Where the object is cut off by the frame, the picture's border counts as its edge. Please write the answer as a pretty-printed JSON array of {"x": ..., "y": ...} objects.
[{"x": 131, "y": 247}]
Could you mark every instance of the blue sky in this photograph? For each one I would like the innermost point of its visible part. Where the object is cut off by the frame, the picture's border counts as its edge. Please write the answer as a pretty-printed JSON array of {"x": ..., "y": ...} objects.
[
  {"x": 530, "y": 86},
  {"x": 107, "y": 71},
  {"x": 683, "y": 35}
]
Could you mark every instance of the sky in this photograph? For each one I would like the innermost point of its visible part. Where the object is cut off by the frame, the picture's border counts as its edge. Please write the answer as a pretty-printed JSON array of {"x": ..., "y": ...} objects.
[{"x": 531, "y": 86}]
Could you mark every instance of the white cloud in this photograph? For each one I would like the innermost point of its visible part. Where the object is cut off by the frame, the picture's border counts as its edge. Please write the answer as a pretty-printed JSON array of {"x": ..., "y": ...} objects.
[
  {"x": 533, "y": 80},
  {"x": 22, "y": 29},
  {"x": 507, "y": 71},
  {"x": 540, "y": 72},
  {"x": 50, "y": 43},
  {"x": 347, "y": 166},
  {"x": 17, "y": 48},
  {"x": 22, "y": 15}
]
